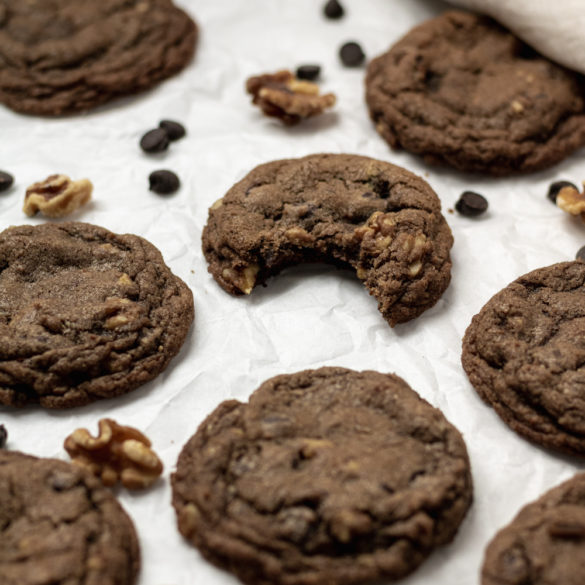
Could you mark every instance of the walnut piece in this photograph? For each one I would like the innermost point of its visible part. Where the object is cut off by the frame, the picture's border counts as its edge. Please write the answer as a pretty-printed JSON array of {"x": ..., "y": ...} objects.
[
  {"x": 57, "y": 196},
  {"x": 571, "y": 201},
  {"x": 283, "y": 96},
  {"x": 118, "y": 453}
]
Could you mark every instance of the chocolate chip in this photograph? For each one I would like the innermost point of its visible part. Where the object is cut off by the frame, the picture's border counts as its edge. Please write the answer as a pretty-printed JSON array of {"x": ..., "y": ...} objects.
[
  {"x": 471, "y": 204},
  {"x": 555, "y": 188},
  {"x": 163, "y": 182},
  {"x": 351, "y": 54},
  {"x": 580, "y": 254},
  {"x": 173, "y": 129},
  {"x": 308, "y": 72},
  {"x": 333, "y": 9},
  {"x": 6, "y": 181},
  {"x": 155, "y": 140},
  {"x": 3, "y": 436}
]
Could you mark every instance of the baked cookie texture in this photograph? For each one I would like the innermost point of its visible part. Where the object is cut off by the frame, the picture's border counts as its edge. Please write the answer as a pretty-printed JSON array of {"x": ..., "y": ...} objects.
[
  {"x": 59, "y": 525},
  {"x": 544, "y": 544},
  {"x": 461, "y": 90},
  {"x": 524, "y": 354},
  {"x": 325, "y": 476},
  {"x": 348, "y": 210},
  {"x": 64, "y": 56},
  {"x": 84, "y": 314}
]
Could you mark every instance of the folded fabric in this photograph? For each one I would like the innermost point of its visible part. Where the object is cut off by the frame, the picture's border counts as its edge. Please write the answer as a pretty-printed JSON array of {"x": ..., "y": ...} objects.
[{"x": 555, "y": 29}]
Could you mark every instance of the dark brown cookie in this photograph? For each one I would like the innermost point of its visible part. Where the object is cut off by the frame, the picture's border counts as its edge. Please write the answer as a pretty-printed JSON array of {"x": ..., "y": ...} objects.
[
  {"x": 63, "y": 56},
  {"x": 462, "y": 90},
  {"x": 524, "y": 354},
  {"x": 349, "y": 210},
  {"x": 544, "y": 544},
  {"x": 84, "y": 314},
  {"x": 325, "y": 476},
  {"x": 60, "y": 526}
]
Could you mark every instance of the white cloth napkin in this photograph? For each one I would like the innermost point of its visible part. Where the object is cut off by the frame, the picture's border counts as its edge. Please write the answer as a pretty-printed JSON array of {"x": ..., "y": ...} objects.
[{"x": 556, "y": 28}]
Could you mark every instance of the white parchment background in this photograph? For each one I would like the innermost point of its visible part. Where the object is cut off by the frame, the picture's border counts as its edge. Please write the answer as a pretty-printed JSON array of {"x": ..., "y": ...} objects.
[{"x": 308, "y": 316}]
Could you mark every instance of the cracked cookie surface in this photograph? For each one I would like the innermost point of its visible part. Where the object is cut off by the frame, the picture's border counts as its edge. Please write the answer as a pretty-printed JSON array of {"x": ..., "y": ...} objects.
[
  {"x": 461, "y": 90},
  {"x": 65, "y": 56},
  {"x": 84, "y": 314},
  {"x": 348, "y": 210},
  {"x": 544, "y": 544},
  {"x": 325, "y": 476},
  {"x": 59, "y": 525},
  {"x": 524, "y": 353}
]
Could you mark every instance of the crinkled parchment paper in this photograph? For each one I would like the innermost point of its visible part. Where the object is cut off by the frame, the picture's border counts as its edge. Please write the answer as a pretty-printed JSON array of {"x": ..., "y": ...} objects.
[{"x": 308, "y": 316}]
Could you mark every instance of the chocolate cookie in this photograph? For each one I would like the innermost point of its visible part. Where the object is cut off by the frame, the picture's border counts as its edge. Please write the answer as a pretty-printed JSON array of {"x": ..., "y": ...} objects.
[
  {"x": 84, "y": 314},
  {"x": 325, "y": 476},
  {"x": 60, "y": 526},
  {"x": 544, "y": 544},
  {"x": 461, "y": 90},
  {"x": 348, "y": 210},
  {"x": 524, "y": 354},
  {"x": 63, "y": 56}
]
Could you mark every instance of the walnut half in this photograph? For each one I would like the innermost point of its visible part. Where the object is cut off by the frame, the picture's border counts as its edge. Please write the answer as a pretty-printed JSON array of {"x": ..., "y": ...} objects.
[
  {"x": 118, "y": 453},
  {"x": 57, "y": 196},
  {"x": 284, "y": 96}
]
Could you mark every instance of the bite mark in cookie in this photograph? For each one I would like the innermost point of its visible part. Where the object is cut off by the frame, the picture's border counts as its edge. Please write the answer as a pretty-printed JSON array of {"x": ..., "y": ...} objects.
[{"x": 349, "y": 210}]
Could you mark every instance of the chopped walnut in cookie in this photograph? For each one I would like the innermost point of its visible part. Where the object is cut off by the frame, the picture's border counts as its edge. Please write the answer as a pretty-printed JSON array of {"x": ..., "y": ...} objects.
[
  {"x": 57, "y": 196},
  {"x": 284, "y": 96},
  {"x": 118, "y": 453},
  {"x": 570, "y": 200}
]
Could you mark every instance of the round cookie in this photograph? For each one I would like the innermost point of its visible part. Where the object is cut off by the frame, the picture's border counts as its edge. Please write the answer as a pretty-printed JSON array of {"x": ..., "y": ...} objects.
[
  {"x": 461, "y": 90},
  {"x": 64, "y": 56},
  {"x": 349, "y": 210},
  {"x": 325, "y": 476},
  {"x": 544, "y": 544},
  {"x": 84, "y": 314},
  {"x": 59, "y": 525},
  {"x": 524, "y": 354}
]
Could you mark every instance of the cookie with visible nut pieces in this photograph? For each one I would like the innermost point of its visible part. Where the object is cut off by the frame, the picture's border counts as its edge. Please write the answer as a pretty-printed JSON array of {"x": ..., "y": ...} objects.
[
  {"x": 524, "y": 351},
  {"x": 67, "y": 56},
  {"x": 544, "y": 544},
  {"x": 85, "y": 314},
  {"x": 463, "y": 91},
  {"x": 352, "y": 211},
  {"x": 61, "y": 526},
  {"x": 324, "y": 476}
]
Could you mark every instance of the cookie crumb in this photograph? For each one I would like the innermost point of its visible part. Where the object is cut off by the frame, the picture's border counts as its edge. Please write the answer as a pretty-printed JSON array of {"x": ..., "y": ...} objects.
[
  {"x": 57, "y": 196},
  {"x": 284, "y": 96}
]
